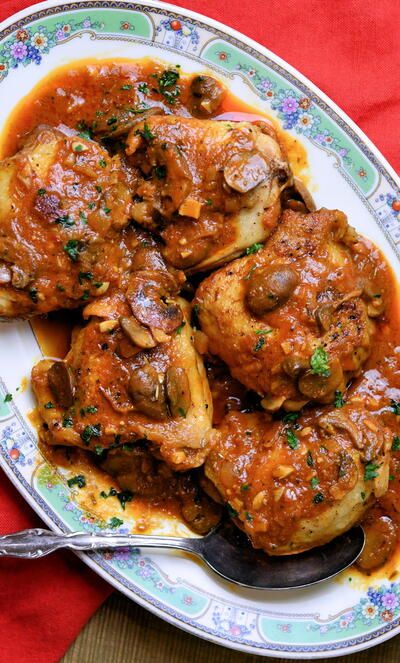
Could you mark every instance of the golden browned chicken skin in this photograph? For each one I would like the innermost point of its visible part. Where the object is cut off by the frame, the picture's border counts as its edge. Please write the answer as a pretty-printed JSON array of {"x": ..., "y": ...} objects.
[
  {"x": 63, "y": 204},
  {"x": 295, "y": 484},
  {"x": 209, "y": 188},
  {"x": 295, "y": 320}
]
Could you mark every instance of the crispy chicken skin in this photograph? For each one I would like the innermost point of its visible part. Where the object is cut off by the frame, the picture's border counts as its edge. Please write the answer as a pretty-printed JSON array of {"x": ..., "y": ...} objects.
[
  {"x": 63, "y": 203},
  {"x": 209, "y": 188},
  {"x": 293, "y": 486},
  {"x": 121, "y": 392},
  {"x": 295, "y": 320}
]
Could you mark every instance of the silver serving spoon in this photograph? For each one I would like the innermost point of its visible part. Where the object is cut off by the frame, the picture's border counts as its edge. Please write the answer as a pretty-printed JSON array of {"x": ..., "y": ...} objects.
[{"x": 225, "y": 549}]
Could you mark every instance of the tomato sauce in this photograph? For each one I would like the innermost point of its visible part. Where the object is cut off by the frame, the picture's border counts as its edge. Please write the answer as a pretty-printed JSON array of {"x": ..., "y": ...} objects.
[{"x": 79, "y": 95}]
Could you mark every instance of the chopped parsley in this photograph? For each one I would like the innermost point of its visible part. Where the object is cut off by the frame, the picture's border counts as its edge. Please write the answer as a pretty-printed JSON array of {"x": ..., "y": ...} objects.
[
  {"x": 83, "y": 217},
  {"x": 106, "y": 210},
  {"x": 245, "y": 487},
  {"x": 319, "y": 362},
  {"x": 92, "y": 430},
  {"x": 318, "y": 498},
  {"x": 103, "y": 162},
  {"x": 127, "y": 86},
  {"x": 92, "y": 205},
  {"x": 395, "y": 405},
  {"x": 115, "y": 522},
  {"x": 41, "y": 192},
  {"x": 231, "y": 511},
  {"x": 48, "y": 406},
  {"x": 290, "y": 417},
  {"x": 145, "y": 133},
  {"x": 339, "y": 400},
  {"x": 370, "y": 471},
  {"x": 33, "y": 294},
  {"x": 167, "y": 86},
  {"x": 260, "y": 332},
  {"x": 292, "y": 440},
  {"x": 7, "y": 398},
  {"x": 362, "y": 495},
  {"x": 253, "y": 248},
  {"x": 78, "y": 148},
  {"x": 67, "y": 421},
  {"x": 160, "y": 172},
  {"x": 65, "y": 221},
  {"x": 98, "y": 450},
  {"x": 84, "y": 130},
  {"x": 78, "y": 481},
  {"x": 143, "y": 88},
  {"x": 249, "y": 517},
  {"x": 396, "y": 443},
  {"x": 124, "y": 496},
  {"x": 90, "y": 409},
  {"x": 309, "y": 459},
  {"x": 85, "y": 276},
  {"x": 182, "y": 412},
  {"x": 98, "y": 188},
  {"x": 111, "y": 121},
  {"x": 72, "y": 248},
  {"x": 181, "y": 326},
  {"x": 259, "y": 345},
  {"x": 314, "y": 482}
]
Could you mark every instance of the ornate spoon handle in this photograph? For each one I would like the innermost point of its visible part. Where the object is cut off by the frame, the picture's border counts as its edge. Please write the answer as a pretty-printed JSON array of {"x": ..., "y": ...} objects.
[{"x": 33, "y": 543}]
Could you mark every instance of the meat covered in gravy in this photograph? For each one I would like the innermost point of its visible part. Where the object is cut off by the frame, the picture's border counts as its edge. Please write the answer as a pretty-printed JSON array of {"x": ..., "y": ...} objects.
[
  {"x": 272, "y": 384},
  {"x": 209, "y": 188},
  {"x": 63, "y": 204},
  {"x": 295, "y": 320}
]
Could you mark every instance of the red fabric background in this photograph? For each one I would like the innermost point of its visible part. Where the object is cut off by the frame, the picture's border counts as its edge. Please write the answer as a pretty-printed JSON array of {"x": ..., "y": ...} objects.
[{"x": 351, "y": 50}]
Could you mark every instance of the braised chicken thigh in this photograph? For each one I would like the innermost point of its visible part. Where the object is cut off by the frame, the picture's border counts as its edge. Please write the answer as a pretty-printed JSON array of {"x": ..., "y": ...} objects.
[
  {"x": 298, "y": 484},
  {"x": 63, "y": 204},
  {"x": 209, "y": 188},
  {"x": 295, "y": 320}
]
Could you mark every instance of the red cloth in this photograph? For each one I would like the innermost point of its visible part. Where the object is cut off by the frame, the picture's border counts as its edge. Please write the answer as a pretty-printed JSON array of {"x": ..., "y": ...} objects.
[{"x": 350, "y": 49}]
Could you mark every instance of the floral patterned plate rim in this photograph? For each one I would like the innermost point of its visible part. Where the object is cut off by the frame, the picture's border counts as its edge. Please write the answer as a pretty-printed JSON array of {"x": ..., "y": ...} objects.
[{"x": 335, "y": 618}]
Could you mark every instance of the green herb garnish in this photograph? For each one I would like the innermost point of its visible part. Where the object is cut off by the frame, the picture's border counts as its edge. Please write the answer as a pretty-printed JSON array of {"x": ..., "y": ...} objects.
[
  {"x": 292, "y": 440},
  {"x": 90, "y": 431},
  {"x": 79, "y": 481},
  {"x": 319, "y": 362},
  {"x": 370, "y": 471},
  {"x": 339, "y": 400},
  {"x": 253, "y": 248}
]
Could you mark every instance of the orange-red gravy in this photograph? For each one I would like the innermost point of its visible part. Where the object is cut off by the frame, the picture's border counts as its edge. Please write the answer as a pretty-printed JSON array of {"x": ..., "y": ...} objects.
[{"x": 75, "y": 95}]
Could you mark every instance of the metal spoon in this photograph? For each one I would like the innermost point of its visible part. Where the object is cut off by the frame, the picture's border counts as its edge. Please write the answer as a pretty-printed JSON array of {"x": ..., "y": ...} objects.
[{"x": 226, "y": 550}]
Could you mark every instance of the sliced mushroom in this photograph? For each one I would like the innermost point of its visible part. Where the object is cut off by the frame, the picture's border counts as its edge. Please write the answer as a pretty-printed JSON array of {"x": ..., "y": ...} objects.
[
  {"x": 5, "y": 274},
  {"x": 321, "y": 387},
  {"x": 205, "y": 96},
  {"x": 293, "y": 365},
  {"x": 246, "y": 170},
  {"x": 148, "y": 294},
  {"x": 270, "y": 287},
  {"x": 138, "y": 334},
  {"x": 119, "y": 122},
  {"x": 380, "y": 542},
  {"x": 375, "y": 300},
  {"x": 339, "y": 420},
  {"x": 61, "y": 383},
  {"x": 148, "y": 392},
  {"x": 178, "y": 391},
  {"x": 298, "y": 198},
  {"x": 324, "y": 316},
  {"x": 19, "y": 279}
]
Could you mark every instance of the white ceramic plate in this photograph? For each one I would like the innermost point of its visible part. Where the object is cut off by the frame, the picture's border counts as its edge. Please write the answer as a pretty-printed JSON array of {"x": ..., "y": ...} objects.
[{"x": 337, "y": 617}]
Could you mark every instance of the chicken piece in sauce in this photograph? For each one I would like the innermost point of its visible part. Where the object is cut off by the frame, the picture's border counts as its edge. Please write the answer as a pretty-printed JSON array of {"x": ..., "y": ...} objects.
[
  {"x": 63, "y": 203},
  {"x": 209, "y": 188},
  {"x": 295, "y": 320},
  {"x": 122, "y": 382},
  {"x": 296, "y": 484}
]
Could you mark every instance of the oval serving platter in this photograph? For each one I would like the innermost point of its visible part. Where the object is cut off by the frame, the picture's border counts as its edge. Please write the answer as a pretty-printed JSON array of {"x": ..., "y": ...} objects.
[{"x": 346, "y": 171}]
